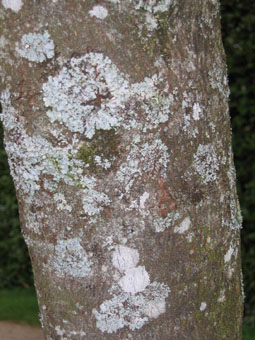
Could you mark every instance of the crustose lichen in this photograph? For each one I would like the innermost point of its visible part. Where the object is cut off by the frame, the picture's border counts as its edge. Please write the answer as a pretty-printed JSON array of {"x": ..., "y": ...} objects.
[{"x": 36, "y": 47}]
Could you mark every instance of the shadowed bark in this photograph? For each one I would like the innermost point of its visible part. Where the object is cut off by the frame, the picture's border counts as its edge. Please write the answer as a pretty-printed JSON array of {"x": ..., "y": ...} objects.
[{"x": 118, "y": 137}]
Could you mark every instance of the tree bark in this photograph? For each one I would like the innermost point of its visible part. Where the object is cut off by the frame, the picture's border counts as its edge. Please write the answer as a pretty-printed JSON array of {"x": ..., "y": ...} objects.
[{"x": 118, "y": 137}]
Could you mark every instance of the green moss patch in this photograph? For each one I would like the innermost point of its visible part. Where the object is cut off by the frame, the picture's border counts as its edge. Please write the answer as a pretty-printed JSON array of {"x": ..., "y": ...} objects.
[{"x": 105, "y": 144}]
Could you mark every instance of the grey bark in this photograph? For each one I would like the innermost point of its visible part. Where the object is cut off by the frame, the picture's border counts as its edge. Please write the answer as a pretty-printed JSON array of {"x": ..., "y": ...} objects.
[{"x": 118, "y": 137}]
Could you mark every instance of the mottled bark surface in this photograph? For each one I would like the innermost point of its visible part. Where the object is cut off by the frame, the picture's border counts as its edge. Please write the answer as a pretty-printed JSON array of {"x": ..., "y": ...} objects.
[{"x": 118, "y": 137}]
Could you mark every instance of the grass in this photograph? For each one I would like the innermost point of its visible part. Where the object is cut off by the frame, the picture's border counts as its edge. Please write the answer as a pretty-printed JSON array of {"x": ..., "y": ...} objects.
[
  {"x": 248, "y": 332},
  {"x": 20, "y": 305}
]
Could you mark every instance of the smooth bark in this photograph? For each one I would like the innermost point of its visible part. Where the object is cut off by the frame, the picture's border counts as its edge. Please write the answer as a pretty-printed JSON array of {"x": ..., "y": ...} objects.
[{"x": 118, "y": 137}]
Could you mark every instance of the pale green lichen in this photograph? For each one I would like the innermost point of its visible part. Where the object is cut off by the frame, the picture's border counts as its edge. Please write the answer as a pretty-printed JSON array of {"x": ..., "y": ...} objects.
[
  {"x": 36, "y": 47},
  {"x": 71, "y": 259},
  {"x": 133, "y": 311},
  {"x": 93, "y": 98},
  {"x": 37, "y": 157},
  {"x": 61, "y": 202},
  {"x": 206, "y": 163},
  {"x": 83, "y": 95},
  {"x": 152, "y": 158},
  {"x": 92, "y": 94}
]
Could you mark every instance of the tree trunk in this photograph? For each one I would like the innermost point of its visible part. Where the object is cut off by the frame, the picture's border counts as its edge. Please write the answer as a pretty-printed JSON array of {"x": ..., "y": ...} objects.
[{"x": 118, "y": 138}]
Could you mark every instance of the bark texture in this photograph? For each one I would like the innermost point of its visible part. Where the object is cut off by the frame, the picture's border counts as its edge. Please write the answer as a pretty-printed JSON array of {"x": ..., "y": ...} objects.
[{"x": 118, "y": 137}]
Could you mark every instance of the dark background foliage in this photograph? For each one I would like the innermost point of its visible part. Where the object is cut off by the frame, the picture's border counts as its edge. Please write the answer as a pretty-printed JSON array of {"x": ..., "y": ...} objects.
[
  {"x": 238, "y": 33},
  {"x": 238, "y": 30},
  {"x": 15, "y": 269}
]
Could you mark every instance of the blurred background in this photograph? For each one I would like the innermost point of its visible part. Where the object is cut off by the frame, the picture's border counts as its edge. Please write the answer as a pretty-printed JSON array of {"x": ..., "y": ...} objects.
[{"x": 17, "y": 296}]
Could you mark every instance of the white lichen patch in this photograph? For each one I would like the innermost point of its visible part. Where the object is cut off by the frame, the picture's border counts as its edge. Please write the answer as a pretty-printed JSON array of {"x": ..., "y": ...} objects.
[
  {"x": 40, "y": 157},
  {"x": 8, "y": 115},
  {"x": 125, "y": 258},
  {"x": 34, "y": 222},
  {"x": 66, "y": 334},
  {"x": 152, "y": 6},
  {"x": 135, "y": 280},
  {"x": 190, "y": 237},
  {"x": 196, "y": 111},
  {"x": 103, "y": 163},
  {"x": 231, "y": 173},
  {"x": 99, "y": 12},
  {"x": 150, "y": 158},
  {"x": 149, "y": 13},
  {"x": 153, "y": 103},
  {"x": 36, "y": 47},
  {"x": 151, "y": 21},
  {"x": 14, "y": 5},
  {"x": 230, "y": 272},
  {"x": 156, "y": 6},
  {"x": 235, "y": 219},
  {"x": 183, "y": 227},
  {"x": 36, "y": 157},
  {"x": 3, "y": 49},
  {"x": 203, "y": 306},
  {"x": 61, "y": 202},
  {"x": 230, "y": 266},
  {"x": 228, "y": 255},
  {"x": 91, "y": 93},
  {"x": 70, "y": 259},
  {"x": 206, "y": 163},
  {"x": 222, "y": 296},
  {"x": 154, "y": 309},
  {"x": 93, "y": 201},
  {"x": 135, "y": 300},
  {"x": 218, "y": 80},
  {"x": 133, "y": 311},
  {"x": 59, "y": 331},
  {"x": 160, "y": 224},
  {"x": 160, "y": 161},
  {"x": 84, "y": 97},
  {"x": 192, "y": 110},
  {"x": 143, "y": 199},
  {"x": 32, "y": 151}
]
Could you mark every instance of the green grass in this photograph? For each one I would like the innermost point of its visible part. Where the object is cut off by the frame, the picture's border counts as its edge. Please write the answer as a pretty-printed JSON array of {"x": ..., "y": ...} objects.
[
  {"x": 20, "y": 305},
  {"x": 248, "y": 332}
]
